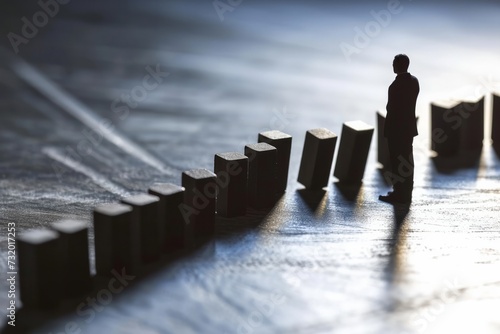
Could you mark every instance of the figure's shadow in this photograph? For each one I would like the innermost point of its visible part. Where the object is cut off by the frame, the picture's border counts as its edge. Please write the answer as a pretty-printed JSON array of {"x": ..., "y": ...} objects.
[{"x": 397, "y": 242}]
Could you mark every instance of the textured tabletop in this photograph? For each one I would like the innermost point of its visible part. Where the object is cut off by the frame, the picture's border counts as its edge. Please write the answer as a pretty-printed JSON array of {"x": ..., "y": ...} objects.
[{"x": 113, "y": 96}]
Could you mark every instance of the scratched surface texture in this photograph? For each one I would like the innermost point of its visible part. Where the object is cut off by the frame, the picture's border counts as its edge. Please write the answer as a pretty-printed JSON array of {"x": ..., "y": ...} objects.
[{"x": 337, "y": 261}]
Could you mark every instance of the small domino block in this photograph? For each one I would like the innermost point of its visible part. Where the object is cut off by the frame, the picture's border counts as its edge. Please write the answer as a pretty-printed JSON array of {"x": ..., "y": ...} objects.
[
  {"x": 283, "y": 143},
  {"x": 445, "y": 137},
  {"x": 39, "y": 263},
  {"x": 116, "y": 239},
  {"x": 74, "y": 249},
  {"x": 261, "y": 175},
  {"x": 317, "y": 158},
  {"x": 199, "y": 202},
  {"x": 495, "y": 130},
  {"x": 471, "y": 124},
  {"x": 232, "y": 176},
  {"x": 145, "y": 214},
  {"x": 171, "y": 197},
  {"x": 353, "y": 151},
  {"x": 383, "y": 156}
]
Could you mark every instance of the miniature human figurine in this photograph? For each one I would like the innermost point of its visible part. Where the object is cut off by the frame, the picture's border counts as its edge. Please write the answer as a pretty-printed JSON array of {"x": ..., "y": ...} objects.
[{"x": 400, "y": 128}]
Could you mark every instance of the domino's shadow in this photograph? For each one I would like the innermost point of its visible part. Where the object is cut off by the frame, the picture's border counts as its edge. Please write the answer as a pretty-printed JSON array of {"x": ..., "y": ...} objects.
[
  {"x": 313, "y": 198},
  {"x": 462, "y": 160},
  {"x": 234, "y": 226},
  {"x": 350, "y": 191},
  {"x": 63, "y": 316},
  {"x": 496, "y": 148},
  {"x": 347, "y": 198},
  {"x": 28, "y": 320}
]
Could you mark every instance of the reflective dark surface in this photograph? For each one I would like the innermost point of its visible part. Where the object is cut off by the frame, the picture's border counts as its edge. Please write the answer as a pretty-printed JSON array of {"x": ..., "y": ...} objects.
[{"x": 320, "y": 262}]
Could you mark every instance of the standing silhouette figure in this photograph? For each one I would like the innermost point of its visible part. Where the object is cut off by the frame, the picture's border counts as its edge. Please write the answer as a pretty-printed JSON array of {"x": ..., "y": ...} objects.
[{"x": 400, "y": 128}]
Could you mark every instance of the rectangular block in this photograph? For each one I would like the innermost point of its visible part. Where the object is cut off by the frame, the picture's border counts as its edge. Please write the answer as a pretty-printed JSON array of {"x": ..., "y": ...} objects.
[
  {"x": 39, "y": 263},
  {"x": 283, "y": 143},
  {"x": 171, "y": 197},
  {"x": 261, "y": 175},
  {"x": 471, "y": 124},
  {"x": 445, "y": 137},
  {"x": 317, "y": 158},
  {"x": 495, "y": 129},
  {"x": 232, "y": 176},
  {"x": 145, "y": 214},
  {"x": 74, "y": 250},
  {"x": 353, "y": 151},
  {"x": 116, "y": 240},
  {"x": 199, "y": 202},
  {"x": 383, "y": 156}
]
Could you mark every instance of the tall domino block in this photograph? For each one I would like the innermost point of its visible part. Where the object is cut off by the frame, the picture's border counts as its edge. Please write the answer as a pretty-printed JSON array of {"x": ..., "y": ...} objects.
[
  {"x": 199, "y": 202},
  {"x": 353, "y": 151},
  {"x": 261, "y": 175},
  {"x": 232, "y": 176},
  {"x": 471, "y": 122},
  {"x": 171, "y": 197},
  {"x": 317, "y": 158},
  {"x": 283, "y": 143},
  {"x": 495, "y": 130},
  {"x": 383, "y": 156},
  {"x": 145, "y": 211},
  {"x": 39, "y": 263},
  {"x": 74, "y": 249},
  {"x": 445, "y": 137},
  {"x": 116, "y": 239}
]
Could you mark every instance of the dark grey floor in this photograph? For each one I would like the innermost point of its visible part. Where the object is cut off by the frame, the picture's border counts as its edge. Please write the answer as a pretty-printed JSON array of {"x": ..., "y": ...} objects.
[{"x": 333, "y": 262}]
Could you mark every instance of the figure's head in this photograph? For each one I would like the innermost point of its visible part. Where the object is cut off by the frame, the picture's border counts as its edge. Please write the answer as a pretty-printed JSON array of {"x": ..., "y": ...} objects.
[{"x": 401, "y": 63}]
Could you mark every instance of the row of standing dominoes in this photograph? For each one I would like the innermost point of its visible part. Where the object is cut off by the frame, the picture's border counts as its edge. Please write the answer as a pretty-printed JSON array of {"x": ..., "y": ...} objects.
[
  {"x": 459, "y": 125},
  {"x": 54, "y": 264},
  {"x": 456, "y": 126}
]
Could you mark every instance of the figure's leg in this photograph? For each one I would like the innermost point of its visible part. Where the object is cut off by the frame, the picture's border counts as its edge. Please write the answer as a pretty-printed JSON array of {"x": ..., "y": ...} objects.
[
  {"x": 403, "y": 167},
  {"x": 392, "y": 174},
  {"x": 394, "y": 152}
]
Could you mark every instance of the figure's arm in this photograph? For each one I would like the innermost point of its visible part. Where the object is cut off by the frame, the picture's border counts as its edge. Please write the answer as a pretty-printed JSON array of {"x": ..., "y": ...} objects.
[
  {"x": 390, "y": 99},
  {"x": 389, "y": 108}
]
